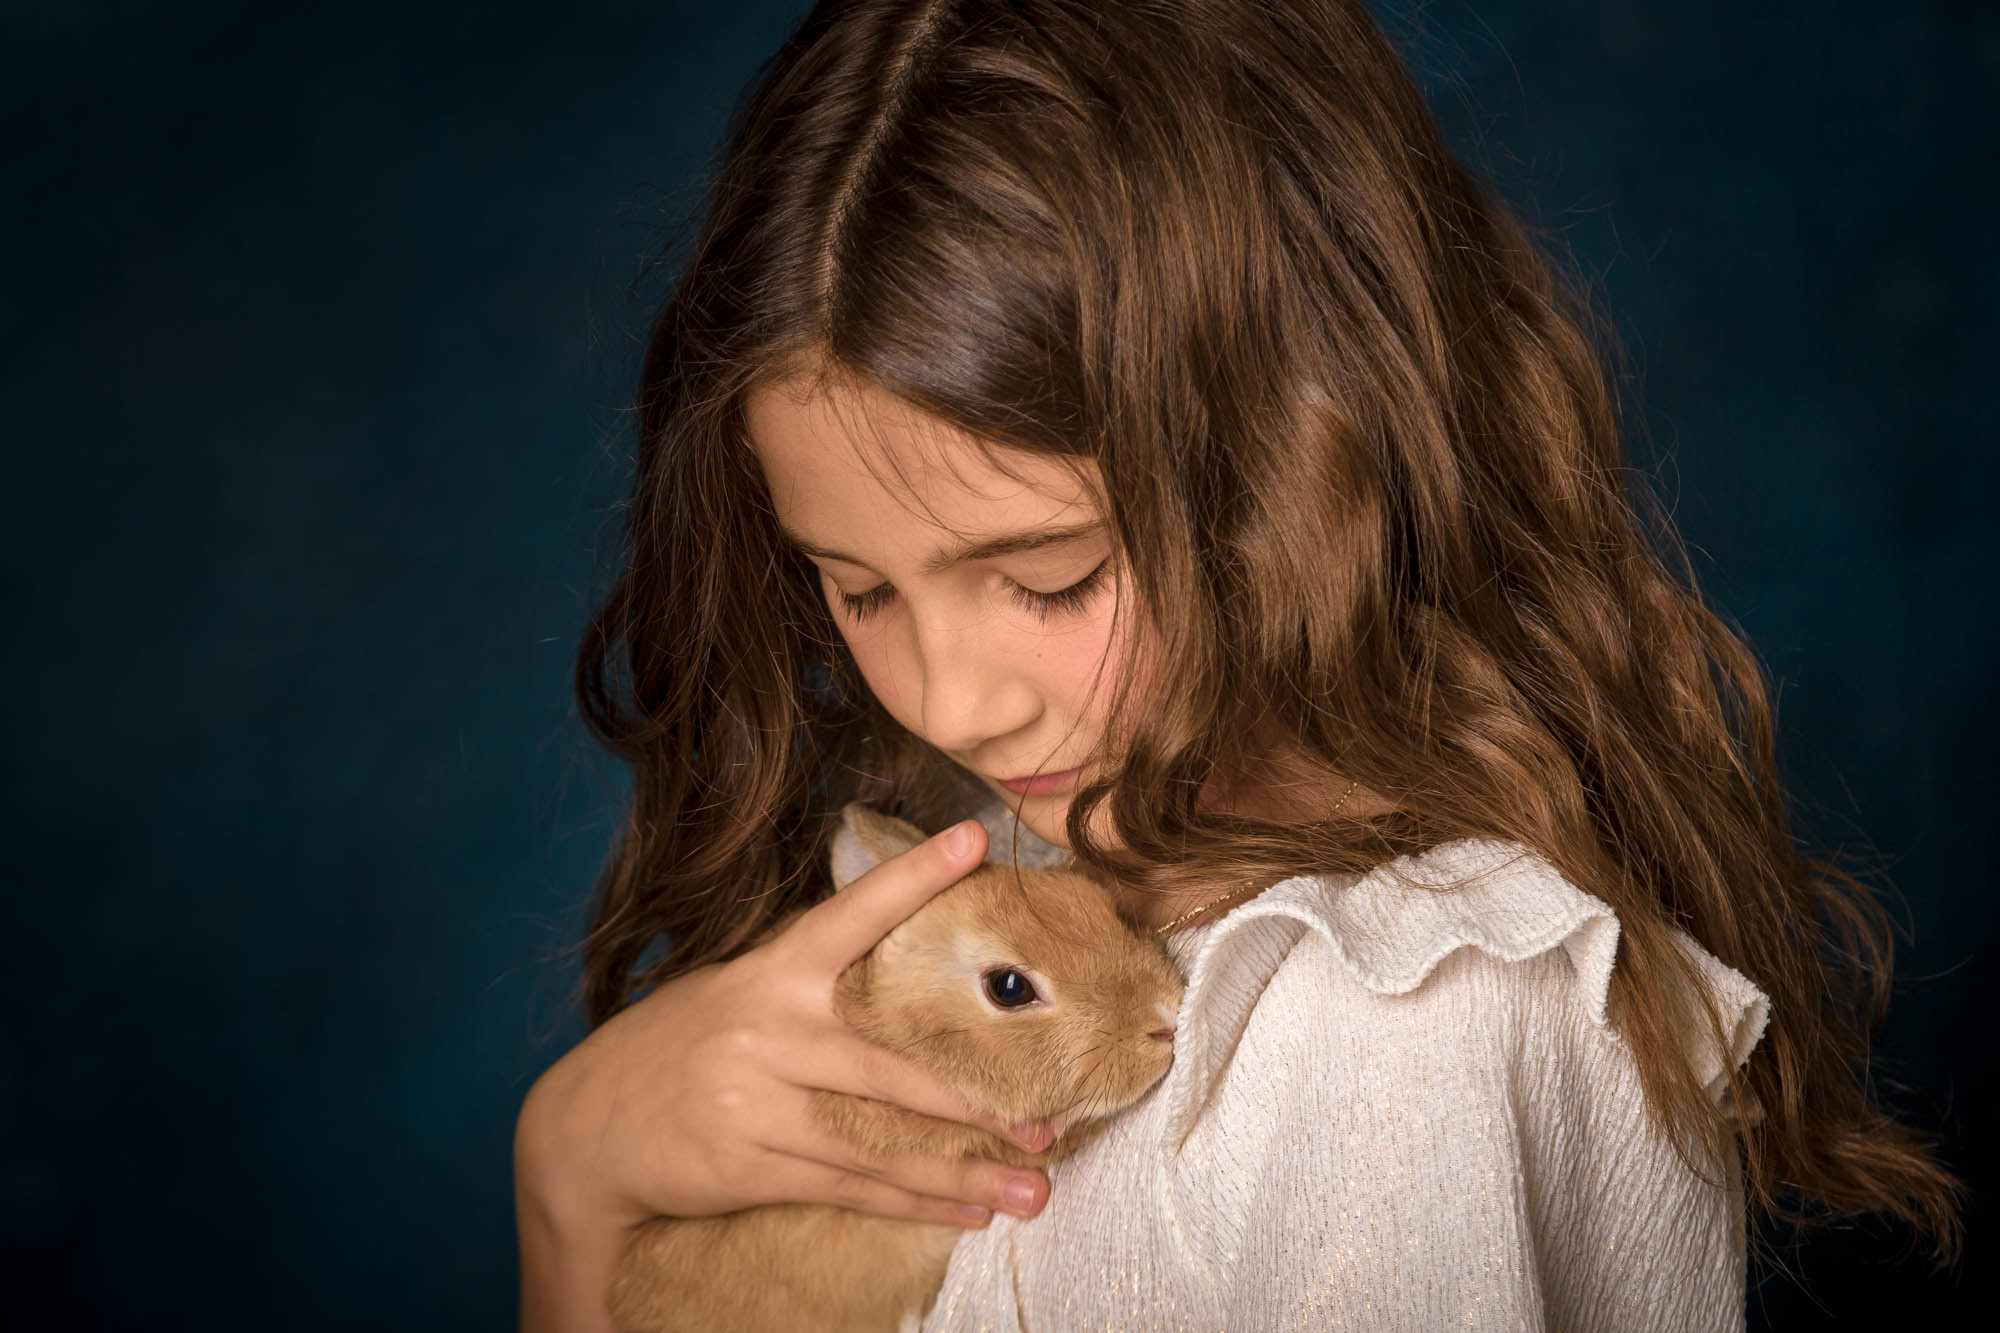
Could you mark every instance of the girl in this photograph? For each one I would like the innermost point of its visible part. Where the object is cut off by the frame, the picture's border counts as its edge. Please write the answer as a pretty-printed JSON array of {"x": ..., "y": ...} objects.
[{"x": 1121, "y": 431}]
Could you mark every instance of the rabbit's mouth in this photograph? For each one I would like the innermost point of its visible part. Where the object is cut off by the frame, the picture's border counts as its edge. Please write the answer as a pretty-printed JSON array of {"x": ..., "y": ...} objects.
[{"x": 1111, "y": 1095}]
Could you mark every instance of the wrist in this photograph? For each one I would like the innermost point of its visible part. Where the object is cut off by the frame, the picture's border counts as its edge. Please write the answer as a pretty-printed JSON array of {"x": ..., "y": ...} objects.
[
  {"x": 569, "y": 1243},
  {"x": 552, "y": 1191}
]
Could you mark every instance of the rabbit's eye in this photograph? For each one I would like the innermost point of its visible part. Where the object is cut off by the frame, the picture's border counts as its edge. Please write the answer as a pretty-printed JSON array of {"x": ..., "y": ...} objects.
[{"x": 1008, "y": 988}]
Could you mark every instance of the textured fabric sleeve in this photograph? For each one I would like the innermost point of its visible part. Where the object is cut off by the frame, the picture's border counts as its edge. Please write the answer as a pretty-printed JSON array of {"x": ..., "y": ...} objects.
[{"x": 1471, "y": 1153}]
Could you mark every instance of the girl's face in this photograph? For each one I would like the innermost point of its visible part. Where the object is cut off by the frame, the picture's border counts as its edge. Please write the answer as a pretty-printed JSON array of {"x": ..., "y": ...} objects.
[{"x": 978, "y": 607}]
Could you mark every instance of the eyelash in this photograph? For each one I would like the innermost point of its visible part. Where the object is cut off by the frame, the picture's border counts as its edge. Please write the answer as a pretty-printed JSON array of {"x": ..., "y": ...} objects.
[{"x": 1068, "y": 600}]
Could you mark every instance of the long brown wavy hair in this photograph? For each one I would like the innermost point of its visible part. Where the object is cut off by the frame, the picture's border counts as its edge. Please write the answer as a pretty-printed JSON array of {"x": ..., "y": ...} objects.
[{"x": 1361, "y": 460}]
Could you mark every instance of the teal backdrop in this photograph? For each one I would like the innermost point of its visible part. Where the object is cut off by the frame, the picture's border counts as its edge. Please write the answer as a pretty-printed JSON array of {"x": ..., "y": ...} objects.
[{"x": 318, "y": 325}]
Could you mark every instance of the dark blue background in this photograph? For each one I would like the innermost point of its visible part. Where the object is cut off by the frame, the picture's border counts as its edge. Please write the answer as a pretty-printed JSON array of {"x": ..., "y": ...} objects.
[{"x": 317, "y": 330}]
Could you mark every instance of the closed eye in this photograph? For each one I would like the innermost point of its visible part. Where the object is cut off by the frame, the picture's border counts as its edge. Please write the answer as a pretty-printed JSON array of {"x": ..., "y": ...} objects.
[{"x": 1067, "y": 601}]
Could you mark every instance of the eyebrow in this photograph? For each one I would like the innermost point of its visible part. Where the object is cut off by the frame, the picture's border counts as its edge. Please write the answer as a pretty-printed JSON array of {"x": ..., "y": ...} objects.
[{"x": 963, "y": 552}]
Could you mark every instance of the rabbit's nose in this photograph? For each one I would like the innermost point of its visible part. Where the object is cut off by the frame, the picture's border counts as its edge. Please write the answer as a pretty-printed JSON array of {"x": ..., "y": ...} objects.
[{"x": 1163, "y": 1034}]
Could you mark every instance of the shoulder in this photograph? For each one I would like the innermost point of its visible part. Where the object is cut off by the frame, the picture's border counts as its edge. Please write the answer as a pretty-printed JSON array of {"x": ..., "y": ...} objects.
[
  {"x": 1412, "y": 1070},
  {"x": 1452, "y": 969}
]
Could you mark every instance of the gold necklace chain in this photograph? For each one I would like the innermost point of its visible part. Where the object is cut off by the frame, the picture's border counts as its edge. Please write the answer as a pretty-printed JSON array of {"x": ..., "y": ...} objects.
[{"x": 1239, "y": 892}]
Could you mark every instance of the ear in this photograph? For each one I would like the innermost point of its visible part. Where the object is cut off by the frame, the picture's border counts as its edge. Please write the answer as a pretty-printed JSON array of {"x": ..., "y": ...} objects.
[{"x": 865, "y": 839}]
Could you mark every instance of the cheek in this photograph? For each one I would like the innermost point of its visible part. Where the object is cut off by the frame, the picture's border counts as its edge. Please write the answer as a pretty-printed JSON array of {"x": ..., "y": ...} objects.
[
  {"x": 1131, "y": 649},
  {"x": 1142, "y": 647},
  {"x": 888, "y": 679},
  {"x": 1084, "y": 672}
]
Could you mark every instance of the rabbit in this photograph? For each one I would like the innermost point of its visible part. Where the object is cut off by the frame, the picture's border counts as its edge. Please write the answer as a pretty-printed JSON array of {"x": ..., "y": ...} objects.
[{"x": 1032, "y": 998}]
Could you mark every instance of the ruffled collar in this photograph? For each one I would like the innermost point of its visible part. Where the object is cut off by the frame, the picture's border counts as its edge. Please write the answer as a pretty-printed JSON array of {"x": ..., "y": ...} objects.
[{"x": 1390, "y": 927}]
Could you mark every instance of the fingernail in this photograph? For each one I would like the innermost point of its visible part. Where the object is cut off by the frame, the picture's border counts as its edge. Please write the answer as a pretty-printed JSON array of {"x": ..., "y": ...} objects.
[
  {"x": 1018, "y": 1195},
  {"x": 959, "y": 839},
  {"x": 972, "y": 1212}
]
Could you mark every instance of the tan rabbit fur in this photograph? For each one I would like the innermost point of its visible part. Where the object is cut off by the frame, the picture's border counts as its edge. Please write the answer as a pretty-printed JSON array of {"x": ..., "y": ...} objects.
[{"x": 1082, "y": 1049}]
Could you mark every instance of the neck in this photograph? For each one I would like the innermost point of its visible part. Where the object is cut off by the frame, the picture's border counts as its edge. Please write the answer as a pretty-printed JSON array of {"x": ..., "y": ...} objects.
[{"x": 1285, "y": 795}]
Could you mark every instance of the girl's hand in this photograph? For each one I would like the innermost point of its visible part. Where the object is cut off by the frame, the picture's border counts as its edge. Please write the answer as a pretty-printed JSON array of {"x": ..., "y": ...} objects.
[{"x": 693, "y": 1101}]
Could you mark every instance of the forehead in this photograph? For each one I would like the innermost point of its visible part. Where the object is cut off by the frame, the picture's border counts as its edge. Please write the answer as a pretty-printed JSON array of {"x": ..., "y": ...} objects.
[{"x": 859, "y": 465}]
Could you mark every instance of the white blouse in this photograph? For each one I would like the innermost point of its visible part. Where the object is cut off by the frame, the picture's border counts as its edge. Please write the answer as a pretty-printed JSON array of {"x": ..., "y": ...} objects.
[{"x": 1390, "y": 1108}]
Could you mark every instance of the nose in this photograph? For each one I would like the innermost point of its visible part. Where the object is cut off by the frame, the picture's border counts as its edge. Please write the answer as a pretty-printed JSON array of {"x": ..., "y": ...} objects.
[
  {"x": 1163, "y": 1035},
  {"x": 970, "y": 692}
]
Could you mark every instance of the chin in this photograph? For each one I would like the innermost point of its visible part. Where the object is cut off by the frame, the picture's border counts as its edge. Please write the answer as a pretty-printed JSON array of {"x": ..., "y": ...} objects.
[{"x": 1056, "y": 834}]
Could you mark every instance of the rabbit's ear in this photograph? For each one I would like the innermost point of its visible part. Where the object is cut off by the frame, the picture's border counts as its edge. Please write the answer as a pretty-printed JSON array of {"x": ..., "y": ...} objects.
[{"x": 865, "y": 839}]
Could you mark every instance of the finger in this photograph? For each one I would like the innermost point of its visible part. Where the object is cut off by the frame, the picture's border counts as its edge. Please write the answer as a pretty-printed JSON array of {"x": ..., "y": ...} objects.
[
  {"x": 974, "y": 1180},
  {"x": 842, "y": 1061},
  {"x": 834, "y": 933},
  {"x": 819, "y": 1182}
]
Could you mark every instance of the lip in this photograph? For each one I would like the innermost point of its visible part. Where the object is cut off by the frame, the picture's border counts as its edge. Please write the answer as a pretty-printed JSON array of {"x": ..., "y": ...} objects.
[{"x": 1039, "y": 786}]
